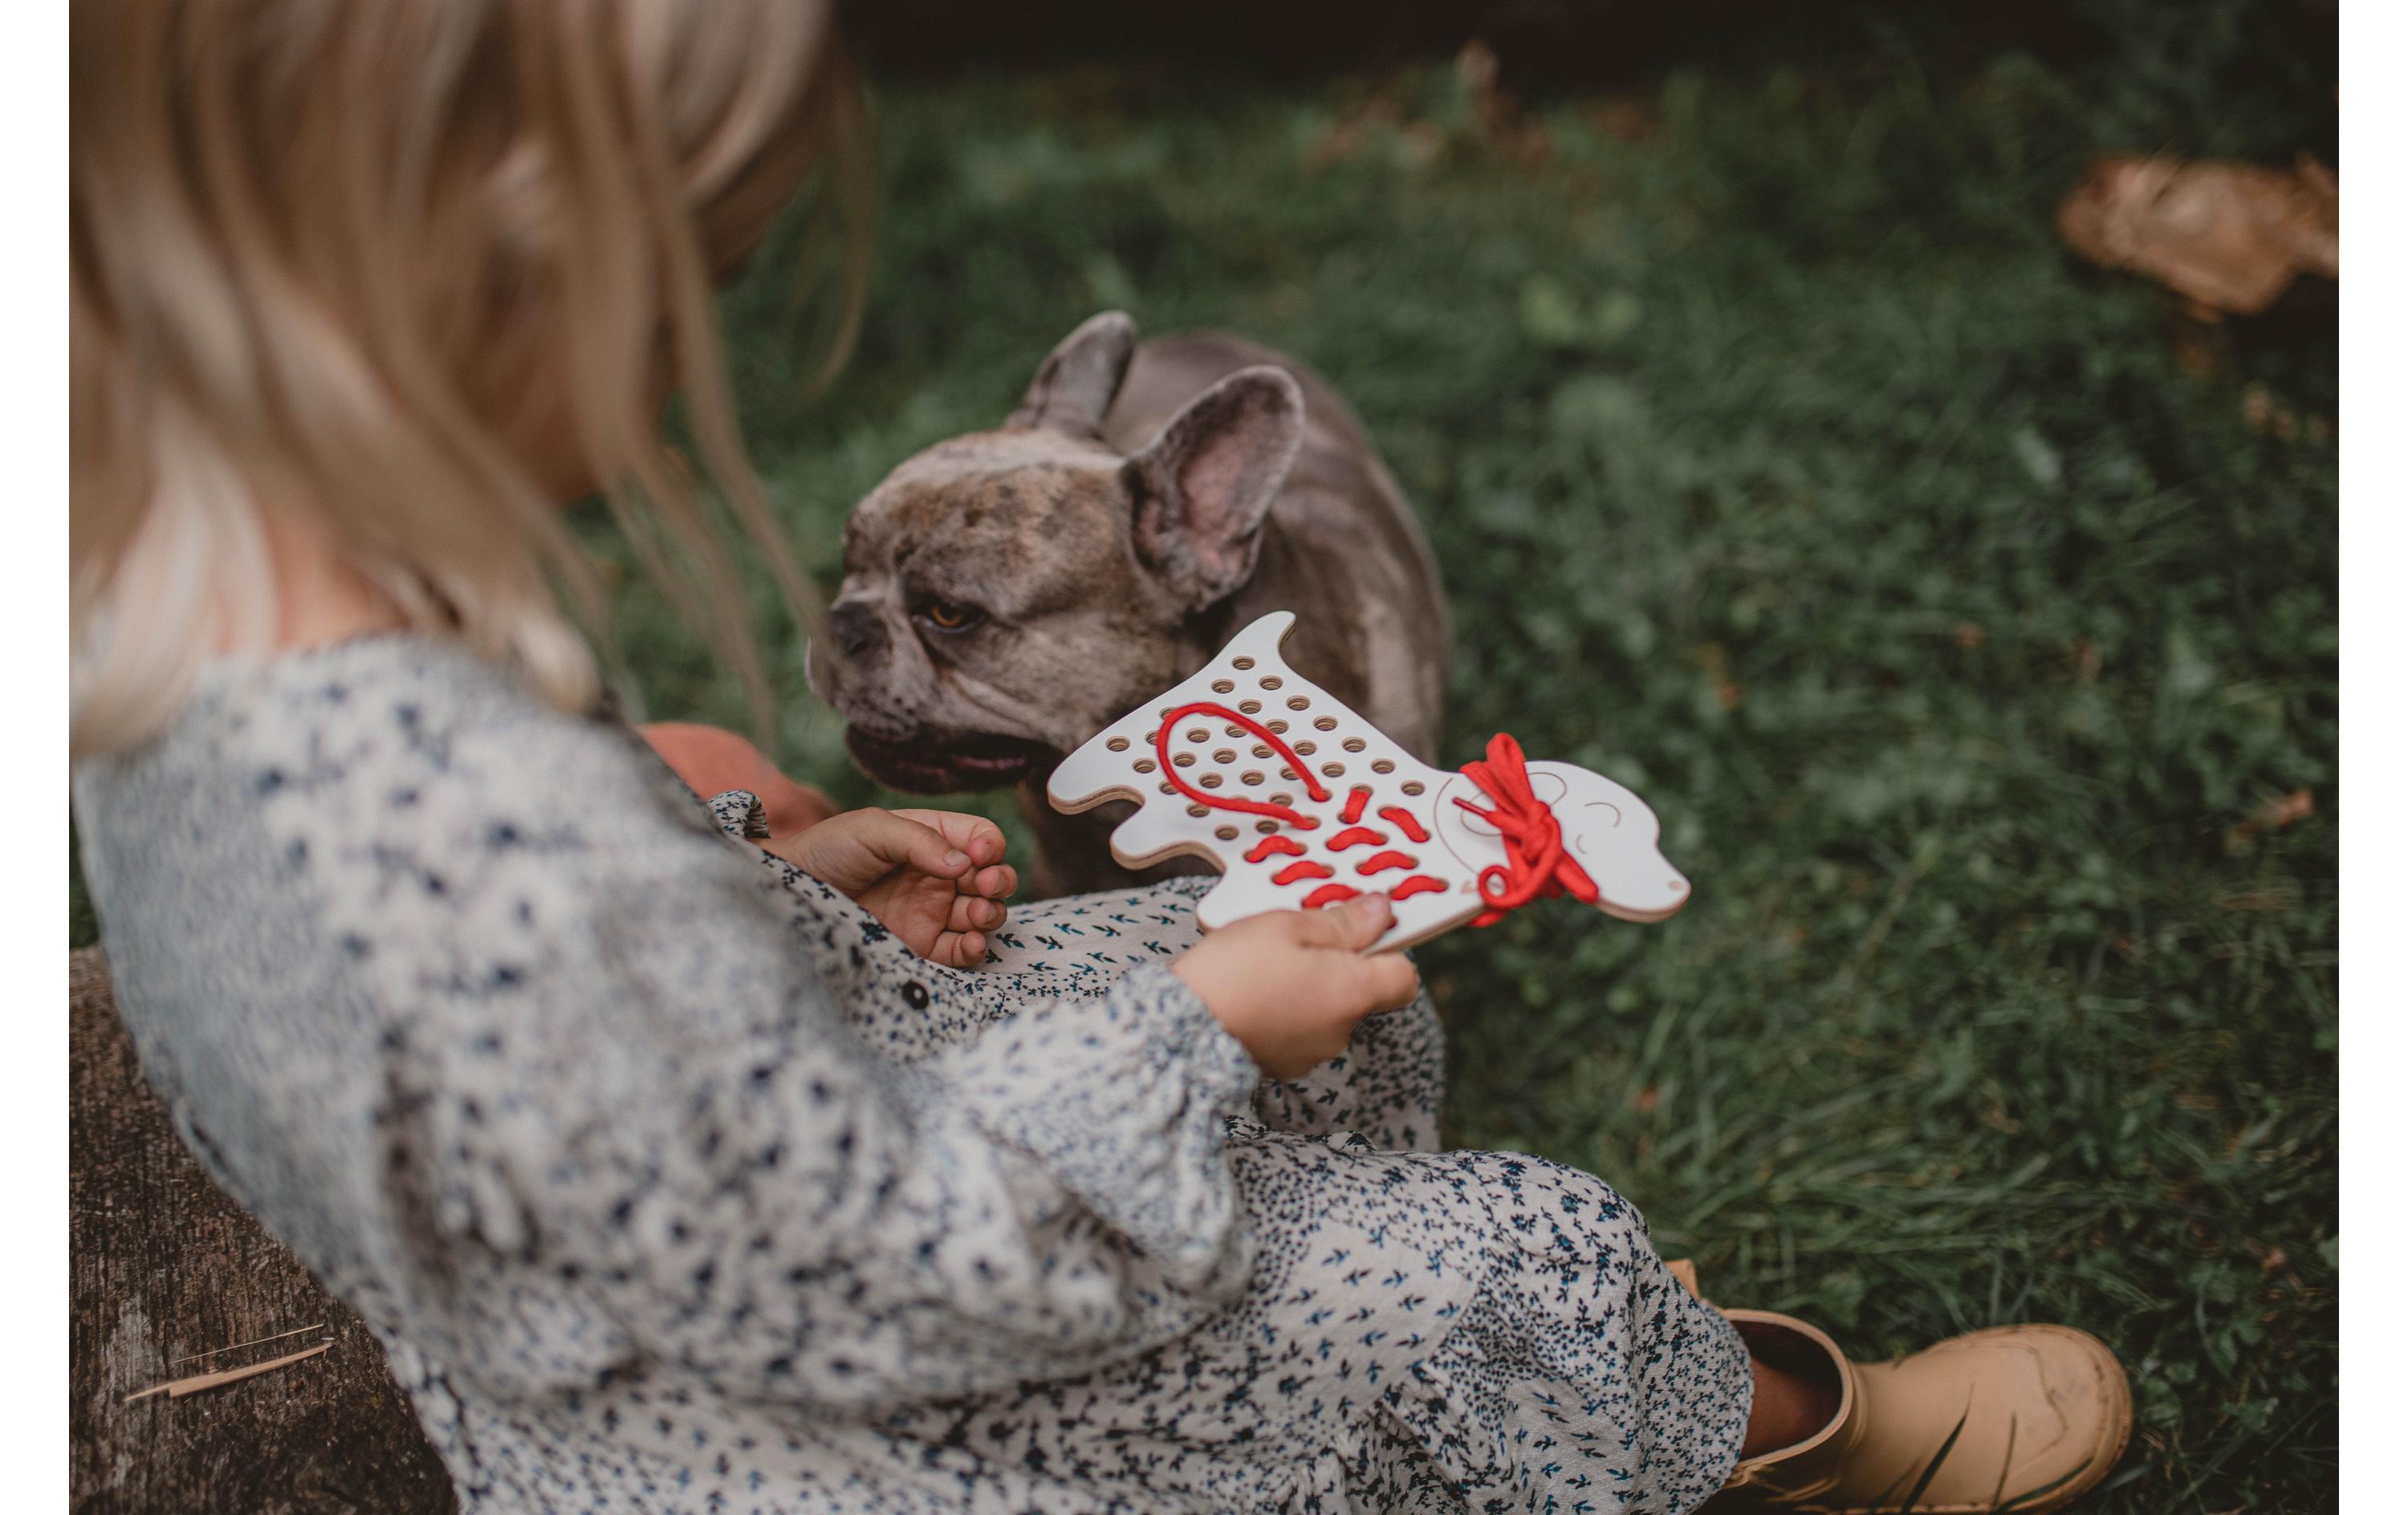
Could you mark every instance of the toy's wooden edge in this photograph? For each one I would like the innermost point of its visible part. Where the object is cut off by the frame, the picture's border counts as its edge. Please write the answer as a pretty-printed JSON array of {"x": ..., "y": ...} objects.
[
  {"x": 1643, "y": 917},
  {"x": 1394, "y": 943},
  {"x": 1100, "y": 798},
  {"x": 1177, "y": 848}
]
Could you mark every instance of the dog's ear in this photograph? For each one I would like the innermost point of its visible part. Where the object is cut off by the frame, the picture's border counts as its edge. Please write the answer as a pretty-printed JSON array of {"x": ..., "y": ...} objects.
[
  {"x": 1203, "y": 486},
  {"x": 1075, "y": 384}
]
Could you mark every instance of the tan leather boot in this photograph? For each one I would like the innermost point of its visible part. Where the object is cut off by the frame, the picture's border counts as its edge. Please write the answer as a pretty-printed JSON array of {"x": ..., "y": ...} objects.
[{"x": 2030, "y": 1417}]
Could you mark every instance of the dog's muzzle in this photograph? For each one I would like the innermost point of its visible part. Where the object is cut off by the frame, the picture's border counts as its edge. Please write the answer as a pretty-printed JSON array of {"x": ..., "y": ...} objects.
[{"x": 934, "y": 763}]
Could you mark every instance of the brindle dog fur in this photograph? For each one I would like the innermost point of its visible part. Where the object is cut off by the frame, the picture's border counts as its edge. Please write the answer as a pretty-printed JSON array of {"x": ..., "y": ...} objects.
[{"x": 1009, "y": 594}]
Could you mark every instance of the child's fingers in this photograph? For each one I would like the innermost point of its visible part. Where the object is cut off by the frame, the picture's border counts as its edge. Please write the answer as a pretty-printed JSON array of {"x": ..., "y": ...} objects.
[
  {"x": 893, "y": 837},
  {"x": 1349, "y": 927},
  {"x": 960, "y": 948},
  {"x": 1389, "y": 981},
  {"x": 996, "y": 882},
  {"x": 981, "y": 839},
  {"x": 971, "y": 913}
]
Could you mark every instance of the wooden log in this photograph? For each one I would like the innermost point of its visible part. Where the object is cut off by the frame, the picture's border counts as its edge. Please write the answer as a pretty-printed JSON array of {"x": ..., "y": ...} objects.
[{"x": 165, "y": 1265}]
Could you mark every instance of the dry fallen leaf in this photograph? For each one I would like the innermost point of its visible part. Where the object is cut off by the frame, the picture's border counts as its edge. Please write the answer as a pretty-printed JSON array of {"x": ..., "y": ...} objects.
[
  {"x": 2284, "y": 810},
  {"x": 1502, "y": 123},
  {"x": 2278, "y": 812},
  {"x": 2231, "y": 236},
  {"x": 1628, "y": 116}
]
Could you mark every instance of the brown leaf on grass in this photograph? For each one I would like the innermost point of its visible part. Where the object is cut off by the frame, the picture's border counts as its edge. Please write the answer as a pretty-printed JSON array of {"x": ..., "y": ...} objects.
[
  {"x": 2278, "y": 812},
  {"x": 2268, "y": 415},
  {"x": 1502, "y": 124},
  {"x": 2230, "y": 236},
  {"x": 2283, "y": 810},
  {"x": 1628, "y": 116},
  {"x": 2087, "y": 662}
]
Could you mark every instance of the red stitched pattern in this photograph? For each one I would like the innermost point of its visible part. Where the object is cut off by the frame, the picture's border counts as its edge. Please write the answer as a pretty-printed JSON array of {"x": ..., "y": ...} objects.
[
  {"x": 1536, "y": 864},
  {"x": 1230, "y": 802}
]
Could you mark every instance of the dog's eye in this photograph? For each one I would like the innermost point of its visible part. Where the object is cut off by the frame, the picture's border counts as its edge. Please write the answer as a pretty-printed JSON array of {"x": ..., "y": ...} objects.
[{"x": 945, "y": 615}]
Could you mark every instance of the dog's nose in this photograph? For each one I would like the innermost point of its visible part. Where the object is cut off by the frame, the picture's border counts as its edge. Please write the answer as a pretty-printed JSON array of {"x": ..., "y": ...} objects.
[{"x": 855, "y": 629}]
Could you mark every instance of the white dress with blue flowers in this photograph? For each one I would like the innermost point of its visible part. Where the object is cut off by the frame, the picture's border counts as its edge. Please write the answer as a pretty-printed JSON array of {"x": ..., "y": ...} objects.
[{"x": 672, "y": 1182}]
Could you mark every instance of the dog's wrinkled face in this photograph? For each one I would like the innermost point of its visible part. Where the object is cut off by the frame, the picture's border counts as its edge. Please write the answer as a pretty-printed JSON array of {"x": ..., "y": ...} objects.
[
  {"x": 1009, "y": 594},
  {"x": 991, "y": 615}
]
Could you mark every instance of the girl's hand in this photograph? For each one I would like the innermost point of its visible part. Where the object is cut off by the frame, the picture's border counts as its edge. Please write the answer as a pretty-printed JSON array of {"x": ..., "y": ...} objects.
[
  {"x": 935, "y": 878},
  {"x": 1290, "y": 985}
]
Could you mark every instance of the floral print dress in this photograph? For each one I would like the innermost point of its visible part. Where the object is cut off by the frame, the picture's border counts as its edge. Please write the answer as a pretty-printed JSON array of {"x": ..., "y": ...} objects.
[{"x": 671, "y": 1181}]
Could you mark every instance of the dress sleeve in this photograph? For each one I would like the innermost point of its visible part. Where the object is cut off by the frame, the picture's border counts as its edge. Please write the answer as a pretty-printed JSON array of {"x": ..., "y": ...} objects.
[{"x": 646, "y": 1116}]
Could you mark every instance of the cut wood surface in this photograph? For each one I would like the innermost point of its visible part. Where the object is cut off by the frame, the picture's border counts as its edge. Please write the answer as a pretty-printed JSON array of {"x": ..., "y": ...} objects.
[{"x": 163, "y": 1266}]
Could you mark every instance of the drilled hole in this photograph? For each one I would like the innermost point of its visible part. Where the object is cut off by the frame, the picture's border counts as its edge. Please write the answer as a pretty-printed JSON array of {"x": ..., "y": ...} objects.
[
  {"x": 1267, "y": 827},
  {"x": 1270, "y": 680},
  {"x": 1211, "y": 780},
  {"x": 1227, "y": 833},
  {"x": 1199, "y": 811},
  {"x": 1353, "y": 744},
  {"x": 1186, "y": 760},
  {"x": 1413, "y": 786},
  {"x": 1235, "y": 731},
  {"x": 1297, "y": 701},
  {"x": 1333, "y": 769},
  {"x": 1145, "y": 764},
  {"x": 1241, "y": 664},
  {"x": 1277, "y": 728},
  {"x": 1118, "y": 744},
  {"x": 1198, "y": 735},
  {"x": 1383, "y": 765},
  {"x": 1327, "y": 722},
  {"x": 1251, "y": 706},
  {"x": 1252, "y": 775},
  {"x": 1259, "y": 749},
  {"x": 1305, "y": 749},
  {"x": 1223, "y": 686},
  {"x": 1170, "y": 789},
  {"x": 1283, "y": 799},
  {"x": 1224, "y": 755},
  {"x": 1287, "y": 772}
]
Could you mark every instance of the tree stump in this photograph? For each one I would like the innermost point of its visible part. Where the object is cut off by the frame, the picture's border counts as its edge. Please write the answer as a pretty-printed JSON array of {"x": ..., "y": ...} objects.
[{"x": 164, "y": 1264}]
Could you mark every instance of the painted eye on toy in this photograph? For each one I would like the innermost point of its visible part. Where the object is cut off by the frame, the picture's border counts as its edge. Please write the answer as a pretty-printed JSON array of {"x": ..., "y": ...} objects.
[
  {"x": 1596, "y": 816},
  {"x": 947, "y": 616}
]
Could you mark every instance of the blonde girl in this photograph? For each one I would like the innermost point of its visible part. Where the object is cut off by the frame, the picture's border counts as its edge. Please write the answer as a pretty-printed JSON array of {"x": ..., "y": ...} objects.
[{"x": 681, "y": 1167}]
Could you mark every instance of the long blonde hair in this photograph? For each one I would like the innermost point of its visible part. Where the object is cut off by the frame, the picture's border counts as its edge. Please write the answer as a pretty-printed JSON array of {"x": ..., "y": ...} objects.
[{"x": 341, "y": 255}]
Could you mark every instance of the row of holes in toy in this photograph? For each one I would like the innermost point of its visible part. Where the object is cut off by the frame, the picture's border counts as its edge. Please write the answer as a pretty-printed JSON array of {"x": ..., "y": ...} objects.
[
  {"x": 1357, "y": 798},
  {"x": 1257, "y": 777}
]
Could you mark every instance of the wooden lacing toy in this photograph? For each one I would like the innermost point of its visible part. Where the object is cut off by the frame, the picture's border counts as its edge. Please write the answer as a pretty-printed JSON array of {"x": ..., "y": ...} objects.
[{"x": 1302, "y": 802}]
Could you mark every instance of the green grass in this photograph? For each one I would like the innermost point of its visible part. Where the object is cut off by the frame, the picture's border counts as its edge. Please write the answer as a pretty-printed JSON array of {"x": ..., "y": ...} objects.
[{"x": 1955, "y": 621}]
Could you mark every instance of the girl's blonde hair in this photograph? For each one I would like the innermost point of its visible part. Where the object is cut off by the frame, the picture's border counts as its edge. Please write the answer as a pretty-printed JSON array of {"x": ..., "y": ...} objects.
[{"x": 342, "y": 258}]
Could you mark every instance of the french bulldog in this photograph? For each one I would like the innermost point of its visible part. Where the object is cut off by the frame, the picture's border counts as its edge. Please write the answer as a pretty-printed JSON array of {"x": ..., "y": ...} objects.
[{"x": 1009, "y": 594}]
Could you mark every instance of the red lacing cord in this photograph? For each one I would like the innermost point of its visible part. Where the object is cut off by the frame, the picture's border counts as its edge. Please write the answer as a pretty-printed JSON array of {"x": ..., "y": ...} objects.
[
  {"x": 1536, "y": 866},
  {"x": 1222, "y": 712}
]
